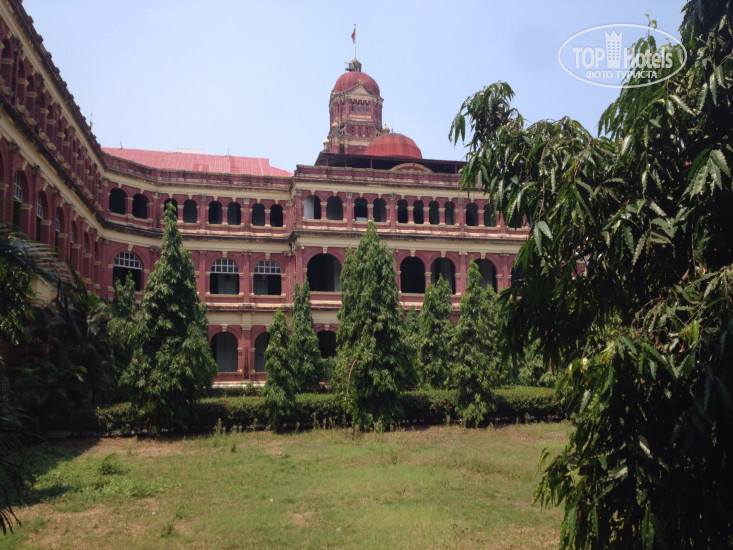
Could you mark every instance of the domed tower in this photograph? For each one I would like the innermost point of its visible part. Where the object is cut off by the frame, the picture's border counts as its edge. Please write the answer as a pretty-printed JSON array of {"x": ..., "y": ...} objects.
[{"x": 356, "y": 112}]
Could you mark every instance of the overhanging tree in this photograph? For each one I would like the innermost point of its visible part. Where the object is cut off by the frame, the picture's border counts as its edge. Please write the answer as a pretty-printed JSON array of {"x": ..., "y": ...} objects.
[
  {"x": 435, "y": 331},
  {"x": 627, "y": 277},
  {"x": 172, "y": 365},
  {"x": 372, "y": 365}
]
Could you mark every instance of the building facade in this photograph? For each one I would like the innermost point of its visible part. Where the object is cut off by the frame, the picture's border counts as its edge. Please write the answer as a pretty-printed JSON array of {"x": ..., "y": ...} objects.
[{"x": 254, "y": 230}]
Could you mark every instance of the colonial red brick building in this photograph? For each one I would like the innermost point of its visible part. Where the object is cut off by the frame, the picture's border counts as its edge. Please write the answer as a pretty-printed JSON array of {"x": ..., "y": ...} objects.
[{"x": 254, "y": 230}]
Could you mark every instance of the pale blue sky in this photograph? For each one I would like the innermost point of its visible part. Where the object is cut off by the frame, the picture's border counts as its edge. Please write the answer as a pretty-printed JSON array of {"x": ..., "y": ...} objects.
[{"x": 254, "y": 78}]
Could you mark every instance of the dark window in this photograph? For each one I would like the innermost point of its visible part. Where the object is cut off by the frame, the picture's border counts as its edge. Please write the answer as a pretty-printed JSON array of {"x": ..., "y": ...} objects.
[
  {"x": 434, "y": 213},
  {"x": 224, "y": 350},
  {"x": 361, "y": 213},
  {"x": 276, "y": 216},
  {"x": 334, "y": 209},
  {"x": 258, "y": 215},
  {"x": 472, "y": 215},
  {"x": 267, "y": 278},
  {"x": 327, "y": 343},
  {"x": 380, "y": 210},
  {"x": 215, "y": 213},
  {"x": 324, "y": 272},
  {"x": 140, "y": 206},
  {"x": 402, "y": 211},
  {"x": 234, "y": 214},
  {"x": 417, "y": 212},
  {"x": 117, "y": 201},
  {"x": 190, "y": 212},
  {"x": 224, "y": 277},
  {"x": 450, "y": 213},
  {"x": 412, "y": 276}
]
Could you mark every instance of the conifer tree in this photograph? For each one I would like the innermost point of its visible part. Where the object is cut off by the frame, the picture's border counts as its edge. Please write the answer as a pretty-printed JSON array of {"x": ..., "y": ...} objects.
[
  {"x": 172, "y": 365},
  {"x": 304, "y": 351},
  {"x": 372, "y": 365},
  {"x": 475, "y": 369},
  {"x": 278, "y": 395},
  {"x": 410, "y": 336},
  {"x": 122, "y": 324},
  {"x": 435, "y": 332}
]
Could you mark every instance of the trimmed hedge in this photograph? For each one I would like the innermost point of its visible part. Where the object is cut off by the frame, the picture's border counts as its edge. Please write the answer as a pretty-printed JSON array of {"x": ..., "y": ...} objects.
[{"x": 427, "y": 407}]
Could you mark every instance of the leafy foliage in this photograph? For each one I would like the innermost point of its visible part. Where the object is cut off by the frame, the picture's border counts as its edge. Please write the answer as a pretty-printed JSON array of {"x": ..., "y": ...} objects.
[
  {"x": 172, "y": 365},
  {"x": 304, "y": 351},
  {"x": 435, "y": 331},
  {"x": 627, "y": 272},
  {"x": 372, "y": 364},
  {"x": 410, "y": 332},
  {"x": 282, "y": 382},
  {"x": 475, "y": 357}
]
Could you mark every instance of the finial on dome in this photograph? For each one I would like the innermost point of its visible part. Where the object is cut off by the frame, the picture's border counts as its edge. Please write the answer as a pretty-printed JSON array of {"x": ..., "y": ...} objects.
[{"x": 354, "y": 66}]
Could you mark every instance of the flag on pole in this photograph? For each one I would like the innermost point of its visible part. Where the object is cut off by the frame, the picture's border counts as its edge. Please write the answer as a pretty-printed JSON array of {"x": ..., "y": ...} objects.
[{"x": 353, "y": 35}]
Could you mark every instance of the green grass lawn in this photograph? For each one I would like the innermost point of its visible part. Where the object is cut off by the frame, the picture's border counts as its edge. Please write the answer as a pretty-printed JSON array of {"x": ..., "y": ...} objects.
[{"x": 438, "y": 487}]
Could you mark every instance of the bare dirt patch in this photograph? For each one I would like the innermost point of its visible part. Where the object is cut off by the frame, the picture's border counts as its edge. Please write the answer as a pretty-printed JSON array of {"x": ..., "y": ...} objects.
[{"x": 101, "y": 446}]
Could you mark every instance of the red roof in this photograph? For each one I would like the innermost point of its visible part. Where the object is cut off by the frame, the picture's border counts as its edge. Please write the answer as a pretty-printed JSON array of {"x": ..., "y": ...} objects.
[
  {"x": 393, "y": 145},
  {"x": 197, "y": 162},
  {"x": 351, "y": 79}
]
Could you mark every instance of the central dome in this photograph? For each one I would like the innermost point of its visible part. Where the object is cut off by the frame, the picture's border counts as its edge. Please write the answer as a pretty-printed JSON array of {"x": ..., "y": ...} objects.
[
  {"x": 350, "y": 80},
  {"x": 393, "y": 145}
]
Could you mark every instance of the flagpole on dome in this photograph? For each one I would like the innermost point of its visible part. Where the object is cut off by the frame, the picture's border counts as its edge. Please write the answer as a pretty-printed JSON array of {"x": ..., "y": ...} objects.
[{"x": 353, "y": 39}]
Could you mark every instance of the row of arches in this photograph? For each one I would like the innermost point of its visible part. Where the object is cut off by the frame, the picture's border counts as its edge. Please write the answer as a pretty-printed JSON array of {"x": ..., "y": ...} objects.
[
  {"x": 416, "y": 212},
  {"x": 225, "y": 349},
  {"x": 217, "y": 212}
]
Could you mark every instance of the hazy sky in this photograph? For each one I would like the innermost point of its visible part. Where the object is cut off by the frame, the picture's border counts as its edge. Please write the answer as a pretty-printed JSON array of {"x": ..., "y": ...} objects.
[{"x": 254, "y": 78}]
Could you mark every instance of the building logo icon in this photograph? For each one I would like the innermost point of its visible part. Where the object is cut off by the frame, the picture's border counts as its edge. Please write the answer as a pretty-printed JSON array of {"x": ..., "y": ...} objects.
[
  {"x": 613, "y": 50},
  {"x": 622, "y": 55}
]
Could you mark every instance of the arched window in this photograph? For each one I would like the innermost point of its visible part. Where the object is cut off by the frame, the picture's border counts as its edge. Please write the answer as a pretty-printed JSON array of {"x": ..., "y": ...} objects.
[
  {"x": 488, "y": 274},
  {"x": 472, "y": 215},
  {"x": 234, "y": 213},
  {"x": 434, "y": 213},
  {"x": 40, "y": 214},
  {"x": 489, "y": 216},
  {"x": 267, "y": 279},
  {"x": 260, "y": 347},
  {"x": 450, "y": 213},
  {"x": 190, "y": 211},
  {"x": 412, "y": 276},
  {"x": 58, "y": 223},
  {"x": 444, "y": 267},
  {"x": 140, "y": 206},
  {"x": 117, "y": 201},
  {"x": 18, "y": 194},
  {"x": 224, "y": 350},
  {"x": 327, "y": 343},
  {"x": 276, "y": 216},
  {"x": 224, "y": 277},
  {"x": 324, "y": 272},
  {"x": 402, "y": 211},
  {"x": 379, "y": 210},
  {"x": 312, "y": 208},
  {"x": 127, "y": 262},
  {"x": 334, "y": 209},
  {"x": 417, "y": 212},
  {"x": 258, "y": 214},
  {"x": 215, "y": 213},
  {"x": 361, "y": 212}
]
